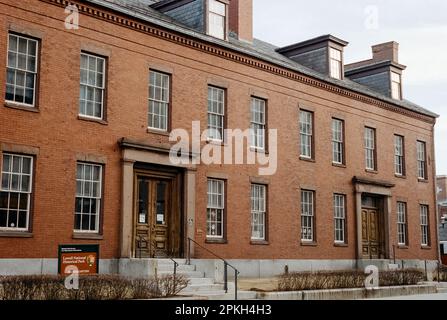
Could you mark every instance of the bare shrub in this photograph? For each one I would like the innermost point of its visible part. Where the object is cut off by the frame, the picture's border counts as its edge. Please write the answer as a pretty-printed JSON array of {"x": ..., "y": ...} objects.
[{"x": 170, "y": 285}]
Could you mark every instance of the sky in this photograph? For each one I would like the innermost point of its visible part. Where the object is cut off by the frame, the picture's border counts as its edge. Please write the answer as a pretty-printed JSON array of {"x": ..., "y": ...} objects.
[{"x": 420, "y": 27}]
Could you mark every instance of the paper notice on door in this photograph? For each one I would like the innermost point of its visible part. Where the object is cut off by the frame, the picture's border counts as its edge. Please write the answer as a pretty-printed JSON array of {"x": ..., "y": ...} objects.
[
  {"x": 142, "y": 218},
  {"x": 160, "y": 218}
]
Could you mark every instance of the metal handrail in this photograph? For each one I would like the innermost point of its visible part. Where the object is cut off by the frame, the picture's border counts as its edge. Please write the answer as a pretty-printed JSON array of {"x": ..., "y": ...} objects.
[{"x": 226, "y": 265}]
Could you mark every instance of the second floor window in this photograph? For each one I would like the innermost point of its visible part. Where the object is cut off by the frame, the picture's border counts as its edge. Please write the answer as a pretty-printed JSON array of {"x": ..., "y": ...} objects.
[
  {"x": 399, "y": 155},
  {"x": 216, "y": 113},
  {"x": 425, "y": 237},
  {"x": 306, "y": 134},
  {"x": 258, "y": 209},
  {"x": 217, "y": 19},
  {"x": 88, "y": 197},
  {"x": 396, "y": 89},
  {"x": 215, "y": 209},
  {"x": 15, "y": 192},
  {"x": 158, "y": 100},
  {"x": 402, "y": 223},
  {"x": 307, "y": 216},
  {"x": 257, "y": 125},
  {"x": 337, "y": 141},
  {"x": 335, "y": 63},
  {"x": 21, "y": 75},
  {"x": 91, "y": 102},
  {"x": 422, "y": 160},
  {"x": 370, "y": 148}
]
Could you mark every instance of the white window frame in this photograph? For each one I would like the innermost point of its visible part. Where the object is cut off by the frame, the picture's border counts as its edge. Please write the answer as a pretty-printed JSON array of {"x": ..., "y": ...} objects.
[
  {"x": 213, "y": 111},
  {"x": 80, "y": 194},
  {"x": 163, "y": 102},
  {"x": 95, "y": 86},
  {"x": 216, "y": 202},
  {"x": 370, "y": 148},
  {"x": 307, "y": 216},
  {"x": 421, "y": 147},
  {"x": 215, "y": 12},
  {"x": 20, "y": 174},
  {"x": 306, "y": 134},
  {"x": 402, "y": 237},
  {"x": 396, "y": 86},
  {"x": 258, "y": 211},
  {"x": 338, "y": 141},
  {"x": 335, "y": 62},
  {"x": 339, "y": 218},
  {"x": 424, "y": 220},
  {"x": 26, "y": 71},
  {"x": 399, "y": 155},
  {"x": 258, "y": 123}
]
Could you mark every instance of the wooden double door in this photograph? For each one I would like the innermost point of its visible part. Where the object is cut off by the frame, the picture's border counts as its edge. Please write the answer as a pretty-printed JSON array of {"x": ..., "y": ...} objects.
[
  {"x": 373, "y": 246},
  {"x": 157, "y": 218}
]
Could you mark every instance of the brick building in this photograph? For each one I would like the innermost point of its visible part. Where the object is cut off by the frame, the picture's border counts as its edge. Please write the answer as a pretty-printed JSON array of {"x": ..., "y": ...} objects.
[{"x": 85, "y": 147}]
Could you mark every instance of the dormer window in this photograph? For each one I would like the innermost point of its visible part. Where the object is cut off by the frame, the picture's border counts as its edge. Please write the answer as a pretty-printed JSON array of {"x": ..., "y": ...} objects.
[
  {"x": 396, "y": 89},
  {"x": 217, "y": 19},
  {"x": 335, "y": 63}
]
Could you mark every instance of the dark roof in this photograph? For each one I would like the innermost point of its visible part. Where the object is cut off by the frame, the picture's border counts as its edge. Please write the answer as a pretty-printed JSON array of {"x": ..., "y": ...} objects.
[
  {"x": 141, "y": 9},
  {"x": 358, "y": 67},
  {"x": 325, "y": 38}
]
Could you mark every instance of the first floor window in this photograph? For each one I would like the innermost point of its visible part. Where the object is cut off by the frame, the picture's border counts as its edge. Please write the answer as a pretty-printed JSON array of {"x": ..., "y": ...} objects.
[
  {"x": 215, "y": 209},
  {"x": 88, "y": 197},
  {"x": 307, "y": 216},
  {"x": 15, "y": 191},
  {"x": 91, "y": 102},
  {"x": 425, "y": 237},
  {"x": 402, "y": 223},
  {"x": 306, "y": 134},
  {"x": 340, "y": 218},
  {"x": 158, "y": 100},
  {"x": 216, "y": 113},
  {"x": 21, "y": 75},
  {"x": 258, "y": 209}
]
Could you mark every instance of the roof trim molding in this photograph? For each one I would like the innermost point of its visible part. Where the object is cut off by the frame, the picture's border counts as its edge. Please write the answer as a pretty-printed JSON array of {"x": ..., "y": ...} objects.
[{"x": 229, "y": 54}]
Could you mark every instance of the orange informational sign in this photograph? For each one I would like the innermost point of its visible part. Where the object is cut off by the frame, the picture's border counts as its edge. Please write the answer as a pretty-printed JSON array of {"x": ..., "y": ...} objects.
[{"x": 82, "y": 258}]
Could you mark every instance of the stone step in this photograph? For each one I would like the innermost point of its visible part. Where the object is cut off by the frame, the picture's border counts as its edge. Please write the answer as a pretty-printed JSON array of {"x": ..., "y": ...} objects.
[
  {"x": 201, "y": 281},
  {"x": 221, "y": 295},
  {"x": 186, "y": 273},
  {"x": 202, "y": 287},
  {"x": 182, "y": 267},
  {"x": 169, "y": 261}
]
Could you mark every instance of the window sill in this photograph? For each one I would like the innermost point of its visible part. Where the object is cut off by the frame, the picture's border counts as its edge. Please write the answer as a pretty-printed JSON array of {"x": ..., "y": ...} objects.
[
  {"x": 216, "y": 241},
  {"x": 426, "y": 247},
  {"x": 159, "y": 132},
  {"x": 400, "y": 176},
  {"x": 259, "y": 242},
  {"x": 15, "y": 234},
  {"x": 308, "y": 244},
  {"x": 341, "y": 245},
  {"x": 103, "y": 122},
  {"x": 402, "y": 246},
  {"x": 372, "y": 171},
  {"x": 256, "y": 150},
  {"x": 88, "y": 236},
  {"x": 422, "y": 180},
  {"x": 307, "y": 159},
  {"x": 216, "y": 142},
  {"x": 338, "y": 165},
  {"x": 23, "y": 107}
]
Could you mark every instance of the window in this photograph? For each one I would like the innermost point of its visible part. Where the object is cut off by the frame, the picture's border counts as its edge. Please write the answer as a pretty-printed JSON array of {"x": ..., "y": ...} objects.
[
  {"x": 370, "y": 148},
  {"x": 425, "y": 238},
  {"x": 217, "y": 19},
  {"x": 339, "y": 218},
  {"x": 159, "y": 95},
  {"x": 337, "y": 141},
  {"x": 257, "y": 124},
  {"x": 307, "y": 216},
  {"x": 396, "y": 89},
  {"x": 215, "y": 209},
  {"x": 306, "y": 134},
  {"x": 21, "y": 74},
  {"x": 216, "y": 113},
  {"x": 88, "y": 197},
  {"x": 91, "y": 102},
  {"x": 258, "y": 209},
  {"x": 422, "y": 162},
  {"x": 15, "y": 192},
  {"x": 399, "y": 163},
  {"x": 336, "y": 63},
  {"x": 402, "y": 223}
]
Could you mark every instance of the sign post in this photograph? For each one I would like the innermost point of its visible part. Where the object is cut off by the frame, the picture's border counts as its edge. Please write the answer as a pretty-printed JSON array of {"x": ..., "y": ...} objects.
[{"x": 84, "y": 257}]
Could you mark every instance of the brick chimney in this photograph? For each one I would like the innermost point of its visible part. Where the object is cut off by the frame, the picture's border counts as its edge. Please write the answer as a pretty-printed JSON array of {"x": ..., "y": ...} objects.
[
  {"x": 386, "y": 51},
  {"x": 241, "y": 19}
]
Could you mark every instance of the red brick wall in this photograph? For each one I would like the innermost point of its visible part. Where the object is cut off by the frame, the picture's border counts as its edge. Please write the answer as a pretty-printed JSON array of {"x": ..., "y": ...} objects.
[{"x": 60, "y": 136}]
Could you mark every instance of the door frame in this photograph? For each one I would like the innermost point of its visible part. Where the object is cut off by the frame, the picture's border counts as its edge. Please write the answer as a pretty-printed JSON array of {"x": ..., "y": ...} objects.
[
  {"x": 176, "y": 204},
  {"x": 379, "y": 208}
]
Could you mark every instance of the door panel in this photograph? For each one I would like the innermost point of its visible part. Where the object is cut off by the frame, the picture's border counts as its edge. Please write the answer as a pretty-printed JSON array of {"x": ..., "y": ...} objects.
[{"x": 371, "y": 234}]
